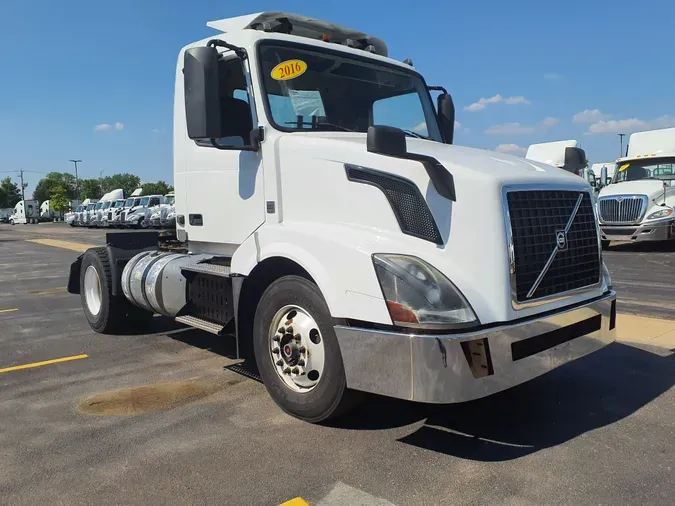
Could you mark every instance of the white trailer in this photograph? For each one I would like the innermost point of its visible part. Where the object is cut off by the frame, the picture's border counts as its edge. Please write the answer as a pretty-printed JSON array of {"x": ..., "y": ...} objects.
[
  {"x": 331, "y": 225},
  {"x": 638, "y": 204},
  {"x": 25, "y": 212}
]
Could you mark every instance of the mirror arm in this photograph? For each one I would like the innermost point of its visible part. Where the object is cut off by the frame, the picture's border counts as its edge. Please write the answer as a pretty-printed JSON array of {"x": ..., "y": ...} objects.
[
  {"x": 437, "y": 88},
  {"x": 239, "y": 51}
]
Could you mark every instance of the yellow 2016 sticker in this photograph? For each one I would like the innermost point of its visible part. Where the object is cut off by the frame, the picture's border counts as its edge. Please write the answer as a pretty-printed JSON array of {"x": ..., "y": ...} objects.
[
  {"x": 289, "y": 69},
  {"x": 624, "y": 167}
]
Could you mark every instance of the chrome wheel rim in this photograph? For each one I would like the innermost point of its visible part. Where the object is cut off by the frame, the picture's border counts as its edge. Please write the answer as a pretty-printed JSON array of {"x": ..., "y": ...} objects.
[
  {"x": 296, "y": 348},
  {"x": 92, "y": 290}
]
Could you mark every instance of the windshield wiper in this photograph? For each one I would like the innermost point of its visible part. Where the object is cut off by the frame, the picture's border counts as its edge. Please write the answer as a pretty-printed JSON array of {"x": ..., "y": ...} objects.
[
  {"x": 414, "y": 134},
  {"x": 322, "y": 123}
]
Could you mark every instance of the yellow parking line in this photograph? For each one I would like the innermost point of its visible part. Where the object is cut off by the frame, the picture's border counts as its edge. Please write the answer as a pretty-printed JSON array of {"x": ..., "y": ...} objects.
[
  {"x": 50, "y": 291},
  {"x": 73, "y": 246},
  {"x": 9, "y": 310},
  {"x": 297, "y": 501},
  {"x": 40, "y": 364}
]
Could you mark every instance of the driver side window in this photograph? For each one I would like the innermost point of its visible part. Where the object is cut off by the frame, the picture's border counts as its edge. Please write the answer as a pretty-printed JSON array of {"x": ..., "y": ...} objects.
[{"x": 235, "y": 109}]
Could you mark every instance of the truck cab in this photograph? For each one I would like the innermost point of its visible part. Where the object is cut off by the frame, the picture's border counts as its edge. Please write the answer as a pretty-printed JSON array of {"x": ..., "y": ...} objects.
[
  {"x": 71, "y": 218},
  {"x": 638, "y": 204},
  {"x": 111, "y": 212},
  {"x": 328, "y": 223},
  {"x": 160, "y": 216},
  {"x": 25, "y": 212},
  {"x": 139, "y": 215}
]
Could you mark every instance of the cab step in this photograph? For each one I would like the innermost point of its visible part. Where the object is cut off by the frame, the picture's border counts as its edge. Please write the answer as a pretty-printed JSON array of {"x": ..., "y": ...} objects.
[
  {"x": 198, "y": 323},
  {"x": 212, "y": 269}
]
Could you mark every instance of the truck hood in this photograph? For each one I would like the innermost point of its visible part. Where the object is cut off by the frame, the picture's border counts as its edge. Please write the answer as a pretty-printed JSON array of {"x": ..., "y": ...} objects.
[
  {"x": 466, "y": 163},
  {"x": 651, "y": 187}
]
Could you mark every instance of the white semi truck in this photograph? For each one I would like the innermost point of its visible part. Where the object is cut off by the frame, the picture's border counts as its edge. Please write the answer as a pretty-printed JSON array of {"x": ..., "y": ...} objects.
[
  {"x": 596, "y": 168},
  {"x": 25, "y": 212},
  {"x": 329, "y": 223},
  {"x": 638, "y": 204},
  {"x": 139, "y": 216},
  {"x": 565, "y": 155}
]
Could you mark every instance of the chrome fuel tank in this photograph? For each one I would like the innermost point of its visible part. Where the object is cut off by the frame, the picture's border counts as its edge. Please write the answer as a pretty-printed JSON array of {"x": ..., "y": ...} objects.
[{"x": 153, "y": 281}]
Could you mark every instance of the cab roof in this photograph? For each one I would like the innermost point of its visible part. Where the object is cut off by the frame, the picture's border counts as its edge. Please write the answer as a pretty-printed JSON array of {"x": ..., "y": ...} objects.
[{"x": 301, "y": 26}]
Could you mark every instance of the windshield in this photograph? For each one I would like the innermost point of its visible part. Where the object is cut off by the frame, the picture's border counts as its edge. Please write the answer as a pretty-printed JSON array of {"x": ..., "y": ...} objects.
[
  {"x": 90, "y": 207},
  {"x": 129, "y": 203},
  {"x": 106, "y": 205},
  {"x": 145, "y": 200},
  {"x": 312, "y": 89},
  {"x": 660, "y": 168},
  {"x": 98, "y": 206},
  {"x": 170, "y": 200},
  {"x": 119, "y": 203}
]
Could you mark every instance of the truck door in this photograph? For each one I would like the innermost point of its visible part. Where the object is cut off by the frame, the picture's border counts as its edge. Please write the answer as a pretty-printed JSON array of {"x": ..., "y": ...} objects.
[{"x": 225, "y": 195}]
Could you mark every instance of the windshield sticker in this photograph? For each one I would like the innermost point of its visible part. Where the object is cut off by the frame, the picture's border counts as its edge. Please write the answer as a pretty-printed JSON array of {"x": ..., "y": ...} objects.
[
  {"x": 289, "y": 69},
  {"x": 624, "y": 167},
  {"x": 306, "y": 102}
]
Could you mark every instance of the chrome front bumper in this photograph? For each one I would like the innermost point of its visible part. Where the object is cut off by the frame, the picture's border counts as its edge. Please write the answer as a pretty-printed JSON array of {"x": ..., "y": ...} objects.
[
  {"x": 659, "y": 231},
  {"x": 436, "y": 368}
]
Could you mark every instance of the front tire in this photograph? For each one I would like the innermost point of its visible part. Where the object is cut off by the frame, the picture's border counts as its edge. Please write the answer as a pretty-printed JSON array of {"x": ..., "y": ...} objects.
[
  {"x": 301, "y": 367},
  {"x": 106, "y": 313}
]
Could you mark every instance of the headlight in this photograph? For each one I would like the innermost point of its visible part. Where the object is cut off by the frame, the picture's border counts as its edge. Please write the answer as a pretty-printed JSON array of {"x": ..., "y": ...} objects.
[
  {"x": 660, "y": 214},
  {"x": 419, "y": 295}
]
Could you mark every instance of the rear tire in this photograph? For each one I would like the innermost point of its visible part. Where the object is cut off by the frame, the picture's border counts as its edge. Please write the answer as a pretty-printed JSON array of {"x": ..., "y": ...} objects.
[
  {"x": 329, "y": 397},
  {"x": 106, "y": 313}
]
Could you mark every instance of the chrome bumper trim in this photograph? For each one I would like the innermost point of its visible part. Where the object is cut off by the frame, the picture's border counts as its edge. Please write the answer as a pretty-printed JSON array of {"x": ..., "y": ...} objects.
[
  {"x": 433, "y": 368},
  {"x": 657, "y": 231}
]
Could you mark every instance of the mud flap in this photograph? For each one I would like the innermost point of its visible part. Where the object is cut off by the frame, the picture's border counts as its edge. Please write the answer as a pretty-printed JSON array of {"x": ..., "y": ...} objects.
[{"x": 74, "y": 277}]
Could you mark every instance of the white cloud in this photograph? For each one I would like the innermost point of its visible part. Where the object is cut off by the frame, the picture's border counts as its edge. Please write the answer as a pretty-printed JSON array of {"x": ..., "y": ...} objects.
[
  {"x": 458, "y": 125},
  {"x": 512, "y": 149},
  {"x": 421, "y": 128},
  {"x": 590, "y": 116},
  {"x": 552, "y": 76},
  {"x": 550, "y": 121},
  {"x": 155, "y": 130},
  {"x": 483, "y": 102},
  {"x": 103, "y": 127},
  {"x": 630, "y": 125},
  {"x": 509, "y": 129}
]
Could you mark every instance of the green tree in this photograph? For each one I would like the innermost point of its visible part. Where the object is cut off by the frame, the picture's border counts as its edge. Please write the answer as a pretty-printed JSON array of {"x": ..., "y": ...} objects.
[
  {"x": 4, "y": 198},
  {"x": 12, "y": 191},
  {"x": 59, "y": 200},
  {"x": 63, "y": 179},
  {"x": 90, "y": 189},
  {"x": 158, "y": 188},
  {"x": 127, "y": 182}
]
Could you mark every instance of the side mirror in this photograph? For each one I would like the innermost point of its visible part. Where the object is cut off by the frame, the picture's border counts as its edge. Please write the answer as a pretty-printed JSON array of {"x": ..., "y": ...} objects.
[
  {"x": 256, "y": 137},
  {"x": 386, "y": 140},
  {"x": 202, "y": 94},
  {"x": 603, "y": 176},
  {"x": 575, "y": 159},
  {"x": 446, "y": 116}
]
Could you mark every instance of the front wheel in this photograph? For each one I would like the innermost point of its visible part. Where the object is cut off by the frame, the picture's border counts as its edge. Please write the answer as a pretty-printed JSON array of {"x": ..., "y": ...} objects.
[{"x": 297, "y": 351}]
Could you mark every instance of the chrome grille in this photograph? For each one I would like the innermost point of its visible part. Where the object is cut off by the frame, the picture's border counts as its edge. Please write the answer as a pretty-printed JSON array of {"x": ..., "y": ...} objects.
[
  {"x": 110, "y": 216},
  {"x": 536, "y": 217},
  {"x": 123, "y": 216},
  {"x": 622, "y": 209}
]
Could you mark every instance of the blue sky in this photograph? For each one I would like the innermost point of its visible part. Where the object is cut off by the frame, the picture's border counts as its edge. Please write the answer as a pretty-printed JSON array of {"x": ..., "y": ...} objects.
[{"x": 535, "y": 65}]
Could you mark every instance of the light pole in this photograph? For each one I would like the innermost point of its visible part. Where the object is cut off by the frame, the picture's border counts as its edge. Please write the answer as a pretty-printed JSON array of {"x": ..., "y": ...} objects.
[
  {"x": 77, "y": 185},
  {"x": 620, "y": 144}
]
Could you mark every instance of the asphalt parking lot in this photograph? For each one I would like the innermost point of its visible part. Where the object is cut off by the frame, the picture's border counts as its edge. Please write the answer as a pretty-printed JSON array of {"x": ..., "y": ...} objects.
[{"x": 163, "y": 418}]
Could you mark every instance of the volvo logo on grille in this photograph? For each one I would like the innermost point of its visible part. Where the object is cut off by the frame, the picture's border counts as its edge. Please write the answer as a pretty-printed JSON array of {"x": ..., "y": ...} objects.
[
  {"x": 561, "y": 239},
  {"x": 619, "y": 198},
  {"x": 560, "y": 245}
]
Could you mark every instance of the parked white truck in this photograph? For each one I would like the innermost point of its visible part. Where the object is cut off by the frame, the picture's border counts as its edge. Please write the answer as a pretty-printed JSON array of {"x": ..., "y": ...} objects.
[
  {"x": 565, "y": 155},
  {"x": 25, "y": 212},
  {"x": 638, "y": 204},
  {"x": 5, "y": 214},
  {"x": 164, "y": 214},
  {"x": 596, "y": 168},
  {"x": 331, "y": 225},
  {"x": 139, "y": 216}
]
